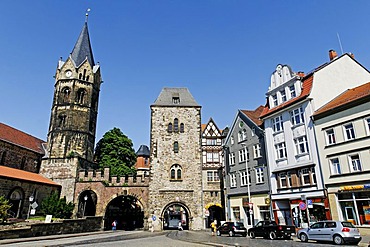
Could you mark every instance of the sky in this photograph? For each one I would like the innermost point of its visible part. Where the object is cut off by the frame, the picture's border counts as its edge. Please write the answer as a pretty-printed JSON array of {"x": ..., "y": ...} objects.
[{"x": 223, "y": 51}]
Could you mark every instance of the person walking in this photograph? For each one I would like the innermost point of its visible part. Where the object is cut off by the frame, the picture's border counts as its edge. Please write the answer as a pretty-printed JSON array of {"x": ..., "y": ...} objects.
[
  {"x": 214, "y": 227},
  {"x": 114, "y": 225},
  {"x": 180, "y": 226}
]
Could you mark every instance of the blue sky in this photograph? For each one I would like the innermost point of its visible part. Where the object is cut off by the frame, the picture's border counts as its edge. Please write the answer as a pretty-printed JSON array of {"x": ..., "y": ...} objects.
[{"x": 223, "y": 51}]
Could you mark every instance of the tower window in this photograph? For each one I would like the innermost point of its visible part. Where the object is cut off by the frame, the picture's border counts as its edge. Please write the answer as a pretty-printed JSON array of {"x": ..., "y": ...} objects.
[
  {"x": 176, "y": 147},
  {"x": 66, "y": 91},
  {"x": 169, "y": 128},
  {"x": 62, "y": 120},
  {"x": 81, "y": 94},
  {"x": 176, "y": 125},
  {"x": 176, "y": 172},
  {"x": 176, "y": 100},
  {"x": 181, "y": 128}
]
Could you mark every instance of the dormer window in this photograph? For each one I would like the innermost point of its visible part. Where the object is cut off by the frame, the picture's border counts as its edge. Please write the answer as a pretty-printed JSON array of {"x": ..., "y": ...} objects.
[
  {"x": 292, "y": 91},
  {"x": 283, "y": 96},
  {"x": 176, "y": 100},
  {"x": 274, "y": 100}
]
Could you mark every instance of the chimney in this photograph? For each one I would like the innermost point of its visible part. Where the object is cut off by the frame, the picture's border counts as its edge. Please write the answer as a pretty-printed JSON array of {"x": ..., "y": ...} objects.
[
  {"x": 300, "y": 74},
  {"x": 332, "y": 55}
]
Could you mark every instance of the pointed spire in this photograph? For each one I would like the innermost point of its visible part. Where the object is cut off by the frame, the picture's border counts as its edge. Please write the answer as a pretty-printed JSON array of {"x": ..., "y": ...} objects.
[{"x": 82, "y": 49}]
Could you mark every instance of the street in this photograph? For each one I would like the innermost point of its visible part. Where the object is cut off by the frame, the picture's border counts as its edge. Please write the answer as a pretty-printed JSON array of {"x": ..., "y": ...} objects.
[{"x": 160, "y": 239}]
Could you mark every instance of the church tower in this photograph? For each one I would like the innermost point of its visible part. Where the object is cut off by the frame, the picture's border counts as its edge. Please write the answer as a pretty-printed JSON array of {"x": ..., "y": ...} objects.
[
  {"x": 175, "y": 189},
  {"x": 72, "y": 128}
]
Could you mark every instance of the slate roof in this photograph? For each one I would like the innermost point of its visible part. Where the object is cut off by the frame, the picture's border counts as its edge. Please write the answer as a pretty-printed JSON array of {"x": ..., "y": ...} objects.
[
  {"x": 19, "y": 138},
  {"x": 143, "y": 151},
  {"x": 7, "y": 172},
  {"x": 347, "y": 98},
  {"x": 166, "y": 96},
  {"x": 82, "y": 48}
]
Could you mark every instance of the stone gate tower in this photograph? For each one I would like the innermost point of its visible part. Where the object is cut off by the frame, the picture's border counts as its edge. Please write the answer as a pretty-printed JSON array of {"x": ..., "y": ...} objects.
[
  {"x": 72, "y": 128},
  {"x": 175, "y": 189}
]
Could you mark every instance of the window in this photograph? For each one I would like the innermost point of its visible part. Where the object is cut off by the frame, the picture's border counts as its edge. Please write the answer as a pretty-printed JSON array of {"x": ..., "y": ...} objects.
[
  {"x": 292, "y": 91},
  {"x": 243, "y": 178},
  {"x": 274, "y": 100},
  {"x": 176, "y": 100},
  {"x": 259, "y": 175},
  {"x": 175, "y": 125},
  {"x": 349, "y": 131},
  {"x": 330, "y": 137},
  {"x": 335, "y": 166},
  {"x": 62, "y": 120},
  {"x": 242, "y": 155},
  {"x": 283, "y": 179},
  {"x": 176, "y": 172},
  {"x": 283, "y": 95},
  {"x": 296, "y": 116},
  {"x": 244, "y": 134},
  {"x": 305, "y": 176},
  {"x": 367, "y": 122},
  {"x": 66, "y": 91},
  {"x": 232, "y": 180},
  {"x": 169, "y": 128},
  {"x": 253, "y": 131},
  {"x": 257, "y": 151},
  {"x": 280, "y": 150},
  {"x": 240, "y": 136},
  {"x": 301, "y": 145},
  {"x": 313, "y": 176},
  {"x": 232, "y": 140},
  {"x": 213, "y": 157},
  {"x": 211, "y": 142},
  {"x": 146, "y": 161},
  {"x": 176, "y": 147},
  {"x": 232, "y": 158},
  {"x": 181, "y": 128},
  {"x": 277, "y": 123},
  {"x": 355, "y": 163},
  {"x": 81, "y": 94},
  {"x": 212, "y": 176}
]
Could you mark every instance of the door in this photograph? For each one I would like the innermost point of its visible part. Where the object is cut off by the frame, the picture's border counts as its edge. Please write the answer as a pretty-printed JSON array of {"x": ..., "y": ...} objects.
[
  {"x": 350, "y": 215},
  {"x": 328, "y": 230},
  {"x": 315, "y": 232}
]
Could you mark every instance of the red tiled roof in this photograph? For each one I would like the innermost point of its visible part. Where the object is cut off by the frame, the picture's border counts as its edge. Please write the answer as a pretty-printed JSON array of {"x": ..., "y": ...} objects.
[
  {"x": 306, "y": 90},
  {"x": 345, "y": 98},
  {"x": 203, "y": 127},
  {"x": 8, "y": 172},
  {"x": 20, "y": 138},
  {"x": 254, "y": 115}
]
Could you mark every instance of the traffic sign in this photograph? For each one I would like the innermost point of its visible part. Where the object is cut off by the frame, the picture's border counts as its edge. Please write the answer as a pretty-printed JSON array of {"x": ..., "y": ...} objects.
[{"x": 302, "y": 206}]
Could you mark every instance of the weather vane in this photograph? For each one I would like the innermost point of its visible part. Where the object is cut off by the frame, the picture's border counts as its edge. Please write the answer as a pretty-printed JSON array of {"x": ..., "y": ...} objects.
[{"x": 87, "y": 14}]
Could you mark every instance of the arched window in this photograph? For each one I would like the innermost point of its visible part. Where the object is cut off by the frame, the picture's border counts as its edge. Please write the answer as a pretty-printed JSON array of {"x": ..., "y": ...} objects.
[
  {"x": 176, "y": 172},
  {"x": 66, "y": 91},
  {"x": 62, "y": 120},
  {"x": 81, "y": 95},
  {"x": 176, "y": 147},
  {"x": 240, "y": 136},
  {"x": 169, "y": 128},
  {"x": 244, "y": 135},
  {"x": 182, "y": 128},
  {"x": 176, "y": 125}
]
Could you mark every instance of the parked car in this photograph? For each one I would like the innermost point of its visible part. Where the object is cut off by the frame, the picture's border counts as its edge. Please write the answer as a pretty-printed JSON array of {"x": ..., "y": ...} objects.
[
  {"x": 232, "y": 228},
  {"x": 271, "y": 230},
  {"x": 339, "y": 232}
]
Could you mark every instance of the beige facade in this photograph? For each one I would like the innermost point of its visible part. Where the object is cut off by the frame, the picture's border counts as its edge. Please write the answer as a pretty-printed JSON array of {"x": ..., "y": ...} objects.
[{"x": 175, "y": 190}]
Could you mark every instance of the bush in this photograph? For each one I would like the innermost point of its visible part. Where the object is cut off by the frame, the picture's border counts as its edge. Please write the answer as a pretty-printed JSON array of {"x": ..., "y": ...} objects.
[
  {"x": 4, "y": 207},
  {"x": 57, "y": 207}
]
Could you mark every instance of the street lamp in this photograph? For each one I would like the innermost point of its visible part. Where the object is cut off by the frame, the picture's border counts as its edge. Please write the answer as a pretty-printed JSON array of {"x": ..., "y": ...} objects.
[
  {"x": 248, "y": 189},
  {"x": 29, "y": 205},
  {"x": 85, "y": 199}
]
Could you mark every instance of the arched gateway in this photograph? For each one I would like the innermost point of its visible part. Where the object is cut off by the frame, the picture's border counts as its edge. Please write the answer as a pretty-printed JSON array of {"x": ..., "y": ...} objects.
[{"x": 174, "y": 214}]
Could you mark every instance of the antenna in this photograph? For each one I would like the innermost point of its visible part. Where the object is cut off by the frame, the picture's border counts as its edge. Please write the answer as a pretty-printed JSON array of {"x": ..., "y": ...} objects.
[
  {"x": 87, "y": 14},
  {"x": 340, "y": 43}
]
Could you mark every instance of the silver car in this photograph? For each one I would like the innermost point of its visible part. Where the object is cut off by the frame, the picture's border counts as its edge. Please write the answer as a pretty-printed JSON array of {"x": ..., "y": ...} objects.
[{"x": 339, "y": 232}]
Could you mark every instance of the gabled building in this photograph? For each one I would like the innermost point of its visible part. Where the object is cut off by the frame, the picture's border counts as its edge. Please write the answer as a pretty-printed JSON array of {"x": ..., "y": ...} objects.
[
  {"x": 246, "y": 174},
  {"x": 212, "y": 138},
  {"x": 297, "y": 191},
  {"x": 343, "y": 138}
]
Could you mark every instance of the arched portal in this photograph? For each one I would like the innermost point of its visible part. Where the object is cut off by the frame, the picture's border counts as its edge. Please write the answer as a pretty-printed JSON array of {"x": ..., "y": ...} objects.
[
  {"x": 127, "y": 211},
  {"x": 16, "y": 200},
  {"x": 174, "y": 213},
  {"x": 87, "y": 203},
  {"x": 214, "y": 213}
]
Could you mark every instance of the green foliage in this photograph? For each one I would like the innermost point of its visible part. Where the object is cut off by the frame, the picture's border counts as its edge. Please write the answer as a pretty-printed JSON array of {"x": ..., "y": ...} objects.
[
  {"x": 4, "y": 206},
  {"x": 57, "y": 207},
  {"x": 115, "y": 150}
]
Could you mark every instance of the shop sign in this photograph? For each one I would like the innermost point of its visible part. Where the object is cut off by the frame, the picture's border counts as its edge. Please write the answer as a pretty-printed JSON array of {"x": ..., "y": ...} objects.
[{"x": 355, "y": 187}]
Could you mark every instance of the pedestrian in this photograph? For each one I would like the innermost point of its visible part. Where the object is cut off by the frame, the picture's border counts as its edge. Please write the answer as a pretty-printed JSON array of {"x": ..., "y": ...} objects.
[
  {"x": 214, "y": 227},
  {"x": 114, "y": 225},
  {"x": 180, "y": 226}
]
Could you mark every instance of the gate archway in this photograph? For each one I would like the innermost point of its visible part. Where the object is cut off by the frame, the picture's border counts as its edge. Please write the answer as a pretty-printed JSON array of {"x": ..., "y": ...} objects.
[
  {"x": 87, "y": 203},
  {"x": 16, "y": 200},
  {"x": 174, "y": 213},
  {"x": 127, "y": 211},
  {"x": 214, "y": 213}
]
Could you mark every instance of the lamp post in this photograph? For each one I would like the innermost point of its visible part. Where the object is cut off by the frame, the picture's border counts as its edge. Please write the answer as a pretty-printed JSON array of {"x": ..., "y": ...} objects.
[
  {"x": 29, "y": 205},
  {"x": 249, "y": 223},
  {"x": 85, "y": 199}
]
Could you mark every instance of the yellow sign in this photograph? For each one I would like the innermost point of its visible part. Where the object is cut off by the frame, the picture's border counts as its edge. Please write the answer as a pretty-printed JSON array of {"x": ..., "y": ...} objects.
[
  {"x": 352, "y": 187},
  {"x": 213, "y": 204}
]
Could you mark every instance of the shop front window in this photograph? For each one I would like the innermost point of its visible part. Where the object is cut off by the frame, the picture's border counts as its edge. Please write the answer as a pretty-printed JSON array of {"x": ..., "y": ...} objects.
[{"x": 355, "y": 207}]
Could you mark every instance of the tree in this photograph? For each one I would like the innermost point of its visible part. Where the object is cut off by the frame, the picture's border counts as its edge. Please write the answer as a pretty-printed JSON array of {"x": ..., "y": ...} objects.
[
  {"x": 57, "y": 207},
  {"x": 4, "y": 206},
  {"x": 115, "y": 150}
]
